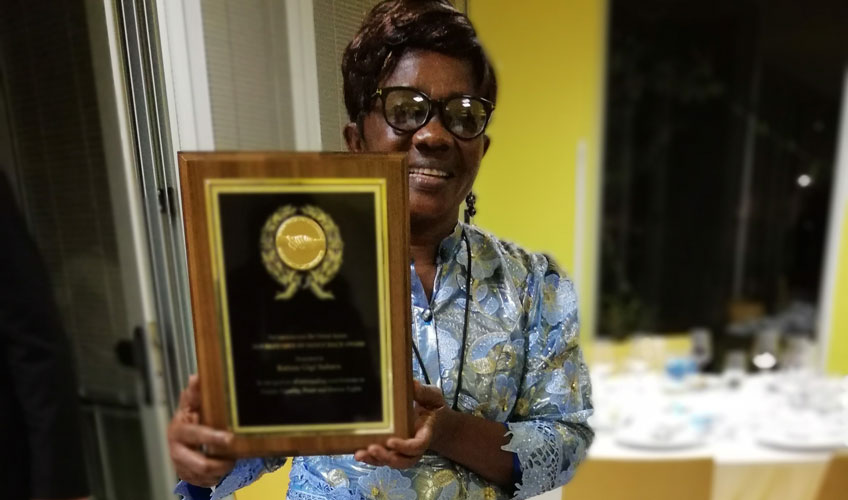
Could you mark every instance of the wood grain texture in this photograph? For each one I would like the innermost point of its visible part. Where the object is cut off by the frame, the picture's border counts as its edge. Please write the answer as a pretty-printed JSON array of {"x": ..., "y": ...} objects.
[{"x": 195, "y": 168}]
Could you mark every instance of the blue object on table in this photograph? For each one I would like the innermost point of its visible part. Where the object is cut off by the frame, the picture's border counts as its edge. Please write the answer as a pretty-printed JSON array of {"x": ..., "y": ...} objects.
[{"x": 679, "y": 368}]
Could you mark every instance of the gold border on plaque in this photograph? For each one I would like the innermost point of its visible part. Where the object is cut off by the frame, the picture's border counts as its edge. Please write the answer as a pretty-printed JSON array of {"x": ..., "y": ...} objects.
[{"x": 377, "y": 186}]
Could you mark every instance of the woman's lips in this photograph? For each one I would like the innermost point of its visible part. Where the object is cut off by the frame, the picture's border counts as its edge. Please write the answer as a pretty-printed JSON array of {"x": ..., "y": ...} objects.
[
  {"x": 427, "y": 178},
  {"x": 428, "y": 171}
]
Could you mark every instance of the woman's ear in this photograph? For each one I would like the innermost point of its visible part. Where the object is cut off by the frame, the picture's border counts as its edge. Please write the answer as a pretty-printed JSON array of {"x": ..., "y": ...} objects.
[
  {"x": 353, "y": 138},
  {"x": 487, "y": 141}
]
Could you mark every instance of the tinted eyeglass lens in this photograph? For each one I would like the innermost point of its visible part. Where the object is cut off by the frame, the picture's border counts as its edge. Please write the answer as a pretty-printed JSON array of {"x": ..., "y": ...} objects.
[
  {"x": 406, "y": 109},
  {"x": 465, "y": 117}
]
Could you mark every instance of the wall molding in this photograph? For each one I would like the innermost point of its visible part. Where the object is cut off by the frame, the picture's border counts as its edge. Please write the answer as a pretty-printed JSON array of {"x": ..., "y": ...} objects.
[
  {"x": 304, "y": 75},
  {"x": 835, "y": 236}
]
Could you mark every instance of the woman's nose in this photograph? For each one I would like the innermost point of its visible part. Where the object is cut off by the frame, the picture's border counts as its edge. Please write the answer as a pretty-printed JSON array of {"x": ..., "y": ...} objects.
[{"x": 433, "y": 136}]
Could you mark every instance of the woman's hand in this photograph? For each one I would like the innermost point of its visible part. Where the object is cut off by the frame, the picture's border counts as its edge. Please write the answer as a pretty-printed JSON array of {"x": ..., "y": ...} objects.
[
  {"x": 186, "y": 437},
  {"x": 404, "y": 453}
]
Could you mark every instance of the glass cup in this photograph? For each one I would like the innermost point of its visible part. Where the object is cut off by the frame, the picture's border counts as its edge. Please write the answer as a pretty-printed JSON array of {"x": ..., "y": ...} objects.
[
  {"x": 766, "y": 349},
  {"x": 733, "y": 371},
  {"x": 798, "y": 355},
  {"x": 702, "y": 346}
]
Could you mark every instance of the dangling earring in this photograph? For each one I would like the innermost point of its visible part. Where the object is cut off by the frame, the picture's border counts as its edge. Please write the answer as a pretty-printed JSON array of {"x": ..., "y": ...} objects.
[{"x": 470, "y": 209}]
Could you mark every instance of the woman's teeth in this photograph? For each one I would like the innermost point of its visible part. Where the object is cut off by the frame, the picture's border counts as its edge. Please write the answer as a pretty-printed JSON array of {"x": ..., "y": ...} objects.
[{"x": 428, "y": 171}]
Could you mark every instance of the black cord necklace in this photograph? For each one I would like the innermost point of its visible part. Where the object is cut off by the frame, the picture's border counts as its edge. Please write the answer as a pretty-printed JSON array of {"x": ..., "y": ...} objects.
[{"x": 464, "y": 329}]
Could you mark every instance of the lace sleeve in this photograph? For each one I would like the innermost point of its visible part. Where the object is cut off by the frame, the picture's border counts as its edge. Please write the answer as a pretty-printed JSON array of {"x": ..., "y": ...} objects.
[
  {"x": 548, "y": 430},
  {"x": 245, "y": 472}
]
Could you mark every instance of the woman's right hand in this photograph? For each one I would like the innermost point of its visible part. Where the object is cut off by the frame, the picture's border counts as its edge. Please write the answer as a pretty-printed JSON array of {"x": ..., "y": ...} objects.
[{"x": 186, "y": 438}]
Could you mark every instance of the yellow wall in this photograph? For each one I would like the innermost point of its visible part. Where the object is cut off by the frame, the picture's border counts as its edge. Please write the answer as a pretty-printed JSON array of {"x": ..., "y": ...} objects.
[
  {"x": 549, "y": 58},
  {"x": 837, "y": 355},
  {"x": 268, "y": 487}
]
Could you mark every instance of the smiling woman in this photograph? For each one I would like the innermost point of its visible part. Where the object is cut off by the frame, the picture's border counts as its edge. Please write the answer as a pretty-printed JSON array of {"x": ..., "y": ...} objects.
[
  {"x": 503, "y": 393},
  {"x": 442, "y": 165}
]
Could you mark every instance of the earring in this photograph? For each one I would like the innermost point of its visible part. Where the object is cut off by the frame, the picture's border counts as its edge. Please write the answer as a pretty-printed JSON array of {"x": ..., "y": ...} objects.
[{"x": 470, "y": 209}]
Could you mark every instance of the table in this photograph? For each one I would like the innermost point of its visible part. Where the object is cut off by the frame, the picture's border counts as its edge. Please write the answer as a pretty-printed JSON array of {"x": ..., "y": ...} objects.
[{"x": 744, "y": 469}]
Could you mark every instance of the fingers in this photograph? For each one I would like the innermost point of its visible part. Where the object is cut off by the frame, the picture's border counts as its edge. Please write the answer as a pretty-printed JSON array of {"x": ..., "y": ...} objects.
[
  {"x": 190, "y": 396},
  {"x": 186, "y": 436},
  {"x": 404, "y": 453},
  {"x": 198, "y": 469},
  {"x": 392, "y": 458},
  {"x": 428, "y": 396},
  {"x": 365, "y": 457},
  {"x": 400, "y": 453},
  {"x": 377, "y": 456},
  {"x": 418, "y": 444},
  {"x": 195, "y": 435},
  {"x": 414, "y": 447}
]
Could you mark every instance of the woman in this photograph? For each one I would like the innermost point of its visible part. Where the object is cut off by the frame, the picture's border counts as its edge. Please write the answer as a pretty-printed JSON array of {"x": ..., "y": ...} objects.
[{"x": 504, "y": 393}]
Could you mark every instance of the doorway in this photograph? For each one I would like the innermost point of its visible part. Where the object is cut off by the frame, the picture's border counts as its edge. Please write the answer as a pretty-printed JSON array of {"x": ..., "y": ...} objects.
[{"x": 66, "y": 148}]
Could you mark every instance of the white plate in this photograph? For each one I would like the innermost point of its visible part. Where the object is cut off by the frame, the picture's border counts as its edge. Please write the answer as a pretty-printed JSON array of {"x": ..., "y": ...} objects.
[
  {"x": 793, "y": 440},
  {"x": 641, "y": 439}
]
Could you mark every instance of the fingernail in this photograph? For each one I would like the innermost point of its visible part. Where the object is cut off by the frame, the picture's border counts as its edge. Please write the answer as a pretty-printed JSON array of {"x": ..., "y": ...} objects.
[{"x": 225, "y": 437}]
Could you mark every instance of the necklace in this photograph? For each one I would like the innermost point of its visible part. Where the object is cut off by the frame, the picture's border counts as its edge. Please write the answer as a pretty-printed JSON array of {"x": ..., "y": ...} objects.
[{"x": 464, "y": 330}]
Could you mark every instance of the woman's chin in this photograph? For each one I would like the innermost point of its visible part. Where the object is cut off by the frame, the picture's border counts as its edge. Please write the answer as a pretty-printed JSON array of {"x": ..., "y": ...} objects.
[{"x": 426, "y": 208}]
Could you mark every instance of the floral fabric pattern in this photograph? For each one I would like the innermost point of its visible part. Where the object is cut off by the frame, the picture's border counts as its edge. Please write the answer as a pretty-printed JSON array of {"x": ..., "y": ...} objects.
[
  {"x": 523, "y": 367},
  {"x": 384, "y": 483}
]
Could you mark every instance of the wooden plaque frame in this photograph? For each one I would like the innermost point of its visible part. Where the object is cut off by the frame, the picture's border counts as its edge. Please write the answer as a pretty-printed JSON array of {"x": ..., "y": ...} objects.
[{"x": 199, "y": 173}]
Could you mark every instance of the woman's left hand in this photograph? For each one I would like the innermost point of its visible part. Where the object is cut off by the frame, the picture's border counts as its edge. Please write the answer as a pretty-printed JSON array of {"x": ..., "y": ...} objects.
[{"x": 404, "y": 453}]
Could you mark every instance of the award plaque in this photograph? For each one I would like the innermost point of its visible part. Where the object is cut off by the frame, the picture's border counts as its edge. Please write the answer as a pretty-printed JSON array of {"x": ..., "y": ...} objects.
[{"x": 299, "y": 273}]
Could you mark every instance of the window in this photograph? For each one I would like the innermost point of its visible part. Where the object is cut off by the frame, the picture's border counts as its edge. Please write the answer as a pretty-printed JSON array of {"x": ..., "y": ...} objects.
[{"x": 721, "y": 122}]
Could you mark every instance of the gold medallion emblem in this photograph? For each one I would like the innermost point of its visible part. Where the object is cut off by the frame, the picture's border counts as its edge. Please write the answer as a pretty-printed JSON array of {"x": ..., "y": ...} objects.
[
  {"x": 301, "y": 243},
  {"x": 301, "y": 248}
]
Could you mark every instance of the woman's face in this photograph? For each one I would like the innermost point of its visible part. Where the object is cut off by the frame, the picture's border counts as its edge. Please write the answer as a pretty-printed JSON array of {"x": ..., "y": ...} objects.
[{"x": 442, "y": 167}]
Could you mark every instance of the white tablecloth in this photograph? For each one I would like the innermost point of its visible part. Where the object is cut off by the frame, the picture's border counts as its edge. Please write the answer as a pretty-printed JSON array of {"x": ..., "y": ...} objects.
[{"x": 733, "y": 419}]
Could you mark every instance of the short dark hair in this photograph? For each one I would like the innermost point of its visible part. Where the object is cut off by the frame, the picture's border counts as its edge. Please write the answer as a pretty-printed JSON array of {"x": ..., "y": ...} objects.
[{"x": 396, "y": 26}]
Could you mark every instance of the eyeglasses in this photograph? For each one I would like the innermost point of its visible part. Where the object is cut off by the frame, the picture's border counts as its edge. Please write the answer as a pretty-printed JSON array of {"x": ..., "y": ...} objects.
[{"x": 407, "y": 110}]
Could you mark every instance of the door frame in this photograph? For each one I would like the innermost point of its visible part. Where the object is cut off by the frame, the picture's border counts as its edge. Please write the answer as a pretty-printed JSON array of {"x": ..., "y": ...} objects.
[
  {"x": 155, "y": 123},
  {"x": 109, "y": 70},
  {"x": 833, "y": 289}
]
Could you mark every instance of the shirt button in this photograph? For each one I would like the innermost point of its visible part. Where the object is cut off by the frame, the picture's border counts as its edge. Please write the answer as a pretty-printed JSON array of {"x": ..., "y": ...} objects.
[{"x": 427, "y": 314}]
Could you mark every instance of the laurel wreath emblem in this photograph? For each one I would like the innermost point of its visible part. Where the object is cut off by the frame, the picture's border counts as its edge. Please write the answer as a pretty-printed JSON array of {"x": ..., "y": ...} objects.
[{"x": 290, "y": 279}]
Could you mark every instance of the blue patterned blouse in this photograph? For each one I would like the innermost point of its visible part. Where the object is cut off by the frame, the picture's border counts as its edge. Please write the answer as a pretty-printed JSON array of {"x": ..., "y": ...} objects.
[{"x": 523, "y": 367}]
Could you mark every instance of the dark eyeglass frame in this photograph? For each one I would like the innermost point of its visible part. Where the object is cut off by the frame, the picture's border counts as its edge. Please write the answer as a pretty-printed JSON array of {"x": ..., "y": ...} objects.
[{"x": 435, "y": 104}]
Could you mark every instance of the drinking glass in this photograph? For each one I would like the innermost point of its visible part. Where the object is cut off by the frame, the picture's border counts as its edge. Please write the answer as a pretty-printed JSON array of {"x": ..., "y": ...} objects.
[
  {"x": 702, "y": 346},
  {"x": 765, "y": 351},
  {"x": 798, "y": 355},
  {"x": 734, "y": 368}
]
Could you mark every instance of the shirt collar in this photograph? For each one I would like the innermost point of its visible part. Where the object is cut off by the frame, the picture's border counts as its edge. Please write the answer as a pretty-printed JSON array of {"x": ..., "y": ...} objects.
[{"x": 450, "y": 245}]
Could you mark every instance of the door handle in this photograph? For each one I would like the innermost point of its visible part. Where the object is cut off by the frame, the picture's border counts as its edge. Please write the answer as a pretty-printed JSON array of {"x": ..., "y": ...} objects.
[{"x": 132, "y": 353}]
